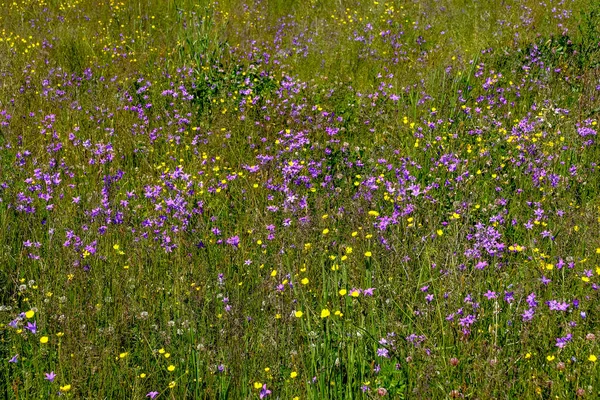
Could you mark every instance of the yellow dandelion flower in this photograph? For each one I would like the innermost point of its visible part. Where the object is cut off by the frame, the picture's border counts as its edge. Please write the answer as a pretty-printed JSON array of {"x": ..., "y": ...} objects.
[
  {"x": 172, "y": 384},
  {"x": 592, "y": 358},
  {"x": 171, "y": 368},
  {"x": 343, "y": 292},
  {"x": 293, "y": 374},
  {"x": 44, "y": 339},
  {"x": 257, "y": 385},
  {"x": 550, "y": 358},
  {"x": 325, "y": 313},
  {"x": 298, "y": 314},
  {"x": 304, "y": 281},
  {"x": 30, "y": 314},
  {"x": 368, "y": 254},
  {"x": 123, "y": 355},
  {"x": 65, "y": 388}
]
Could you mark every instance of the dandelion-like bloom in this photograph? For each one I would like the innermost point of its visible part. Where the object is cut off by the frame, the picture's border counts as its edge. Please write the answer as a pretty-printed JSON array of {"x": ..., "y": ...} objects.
[{"x": 65, "y": 388}]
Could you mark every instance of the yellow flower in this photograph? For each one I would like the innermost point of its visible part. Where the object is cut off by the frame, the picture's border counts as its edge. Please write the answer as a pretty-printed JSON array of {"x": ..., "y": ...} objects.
[
  {"x": 30, "y": 314},
  {"x": 171, "y": 368},
  {"x": 592, "y": 358},
  {"x": 293, "y": 374},
  {"x": 368, "y": 254},
  {"x": 172, "y": 384},
  {"x": 440, "y": 232},
  {"x": 123, "y": 355},
  {"x": 325, "y": 231},
  {"x": 167, "y": 355},
  {"x": 343, "y": 292},
  {"x": 528, "y": 355},
  {"x": 304, "y": 281},
  {"x": 257, "y": 385},
  {"x": 142, "y": 375},
  {"x": 374, "y": 213},
  {"x": 162, "y": 351},
  {"x": 550, "y": 358},
  {"x": 354, "y": 293},
  {"x": 44, "y": 339},
  {"x": 325, "y": 313},
  {"x": 65, "y": 388},
  {"x": 274, "y": 273},
  {"x": 298, "y": 314}
]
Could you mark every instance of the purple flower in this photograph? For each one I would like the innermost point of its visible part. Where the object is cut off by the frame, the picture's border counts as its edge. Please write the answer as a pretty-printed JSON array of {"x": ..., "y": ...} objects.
[
  {"x": 234, "y": 241},
  {"x": 467, "y": 321},
  {"x": 545, "y": 280},
  {"x": 264, "y": 392},
  {"x": 152, "y": 395},
  {"x": 528, "y": 314},
  {"x": 383, "y": 353},
  {"x": 32, "y": 327},
  {"x": 561, "y": 342},
  {"x": 490, "y": 295},
  {"x": 15, "y": 359},
  {"x": 368, "y": 292},
  {"x": 49, "y": 376},
  {"x": 531, "y": 300},
  {"x": 556, "y": 306}
]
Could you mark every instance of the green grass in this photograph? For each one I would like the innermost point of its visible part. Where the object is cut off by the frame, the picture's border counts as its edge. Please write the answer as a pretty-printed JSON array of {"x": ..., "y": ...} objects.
[{"x": 433, "y": 151}]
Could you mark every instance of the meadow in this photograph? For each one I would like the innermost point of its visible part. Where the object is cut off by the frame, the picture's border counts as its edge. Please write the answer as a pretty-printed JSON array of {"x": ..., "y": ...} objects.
[{"x": 285, "y": 199}]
